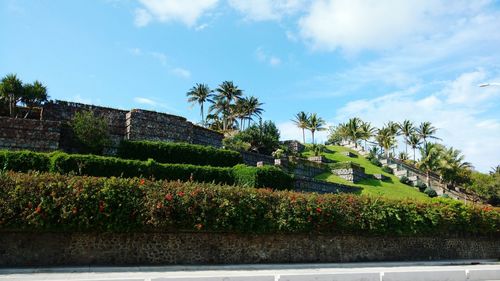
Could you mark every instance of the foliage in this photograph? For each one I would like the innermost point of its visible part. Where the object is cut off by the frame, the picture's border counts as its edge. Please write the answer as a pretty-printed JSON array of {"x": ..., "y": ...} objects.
[
  {"x": 24, "y": 161},
  {"x": 200, "y": 93},
  {"x": 90, "y": 131},
  {"x": 262, "y": 137},
  {"x": 387, "y": 170},
  {"x": 233, "y": 143},
  {"x": 50, "y": 202},
  {"x": 301, "y": 120},
  {"x": 278, "y": 153},
  {"x": 405, "y": 180},
  {"x": 430, "y": 192},
  {"x": 375, "y": 162},
  {"x": 14, "y": 91},
  {"x": 315, "y": 123},
  {"x": 170, "y": 152},
  {"x": 421, "y": 186},
  {"x": 486, "y": 186},
  {"x": 317, "y": 149},
  {"x": 266, "y": 176}
]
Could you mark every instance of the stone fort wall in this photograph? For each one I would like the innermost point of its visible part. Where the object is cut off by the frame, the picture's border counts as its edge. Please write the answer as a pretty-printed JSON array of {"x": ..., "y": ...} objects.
[{"x": 53, "y": 131}]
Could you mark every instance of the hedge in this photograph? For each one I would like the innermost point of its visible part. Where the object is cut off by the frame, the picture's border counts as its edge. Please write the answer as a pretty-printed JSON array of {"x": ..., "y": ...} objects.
[
  {"x": 102, "y": 166},
  {"x": 169, "y": 152},
  {"x": 54, "y": 202}
]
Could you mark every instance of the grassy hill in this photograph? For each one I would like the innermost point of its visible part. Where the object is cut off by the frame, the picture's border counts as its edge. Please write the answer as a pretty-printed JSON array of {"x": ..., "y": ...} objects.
[{"x": 391, "y": 188}]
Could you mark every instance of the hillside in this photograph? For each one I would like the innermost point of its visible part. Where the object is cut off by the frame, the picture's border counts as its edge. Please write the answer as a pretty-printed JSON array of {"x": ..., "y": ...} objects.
[{"x": 391, "y": 188}]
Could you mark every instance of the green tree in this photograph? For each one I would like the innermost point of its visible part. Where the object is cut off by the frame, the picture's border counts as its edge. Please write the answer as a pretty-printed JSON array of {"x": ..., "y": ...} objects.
[
  {"x": 90, "y": 131},
  {"x": 34, "y": 95},
  {"x": 414, "y": 141},
  {"x": 301, "y": 120},
  {"x": 385, "y": 139},
  {"x": 452, "y": 167},
  {"x": 227, "y": 95},
  {"x": 200, "y": 94},
  {"x": 11, "y": 93},
  {"x": 426, "y": 130},
  {"x": 315, "y": 123},
  {"x": 407, "y": 129},
  {"x": 367, "y": 132},
  {"x": 429, "y": 160},
  {"x": 262, "y": 137}
]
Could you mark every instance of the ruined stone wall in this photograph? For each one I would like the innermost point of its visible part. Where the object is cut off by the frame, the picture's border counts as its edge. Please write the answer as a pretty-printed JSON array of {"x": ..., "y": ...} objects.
[
  {"x": 120, "y": 249},
  {"x": 37, "y": 135}
]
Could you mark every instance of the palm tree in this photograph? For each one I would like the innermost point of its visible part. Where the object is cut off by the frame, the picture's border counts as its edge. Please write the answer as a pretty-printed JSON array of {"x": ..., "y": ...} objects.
[
  {"x": 385, "y": 139},
  {"x": 426, "y": 130},
  {"x": 452, "y": 166},
  {"x": 252, "y": 108},
  {"x": 429, "y": 160},
  {"x": 367, "y": 131},
  {"x": 314, "y": 124},
  {"x": 495, "y": 170},
  {"x": 407, "y": 129},
  {"x": 414, "y": 141},
  {"x": 34, "y": 95},
  {"x": 200, "y": 94},
  {"x": 393, "y": 128},
  {"x": 227, "y": 93},
  {"x": 354, "y": 130},
  {"x": 11, "y": 91},
  {"x": 302, "y": 121}
]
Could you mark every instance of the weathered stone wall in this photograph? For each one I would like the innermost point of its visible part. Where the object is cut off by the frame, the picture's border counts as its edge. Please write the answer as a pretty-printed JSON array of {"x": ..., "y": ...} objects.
[
  {"x": 251, "y": 158},
  {"x": 79, "y": 249},
  {"x": 305, "y": 184},
  {"x": 37, "y": 135}
]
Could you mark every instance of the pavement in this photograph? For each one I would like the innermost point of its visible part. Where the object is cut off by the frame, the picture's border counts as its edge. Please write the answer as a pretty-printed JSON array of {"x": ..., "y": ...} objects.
[{"x": 382, "y": 271}]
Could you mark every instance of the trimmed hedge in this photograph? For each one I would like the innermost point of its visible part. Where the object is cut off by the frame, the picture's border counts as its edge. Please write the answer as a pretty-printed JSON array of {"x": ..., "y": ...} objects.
[
  {"x": 53, "y": 202},
  {"x": 262, "y": 177},
  {"x": 183, "y": 153},
  {"x": 102, "y": 166}
]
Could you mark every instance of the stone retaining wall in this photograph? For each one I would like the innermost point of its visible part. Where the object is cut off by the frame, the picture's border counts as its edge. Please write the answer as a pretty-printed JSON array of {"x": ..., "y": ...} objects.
[
  {"x": 352, "y": 174},
  {"x": 251, "y": 158},
  {"x": 312, "y": 185},
  {"x": 120, "y": 249},
  {"x": 30, "y": 134}
]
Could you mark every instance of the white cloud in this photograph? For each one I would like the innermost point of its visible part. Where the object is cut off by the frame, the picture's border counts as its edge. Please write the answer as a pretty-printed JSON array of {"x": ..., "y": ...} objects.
[
  {"x": 465, "y": 91},
  {"x": 181, "y": 72},
  {"x": 289, "y": 131},
  {"x": 142, "y": 17},
  {"x": 264, "y": 57},
  {"x": 186, "y": 12},
  {"x": 460, "y": 126},
  {"x": 262, "y": 10},
  {"x": 135, "y": 51},
  {"x": 146, "y": 101},
  {"x": 154, "y": 104},
  {"x": 161, "y": 57}
]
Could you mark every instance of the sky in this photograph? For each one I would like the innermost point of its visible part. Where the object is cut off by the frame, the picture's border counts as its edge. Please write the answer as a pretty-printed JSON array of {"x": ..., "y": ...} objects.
[{"x": 379, "y": 60}]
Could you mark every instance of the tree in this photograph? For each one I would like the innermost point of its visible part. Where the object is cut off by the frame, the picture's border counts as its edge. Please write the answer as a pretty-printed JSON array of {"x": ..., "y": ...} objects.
[
  {"x": 34, "y": 95},
  {"x": 367, "y": 132},
  {"x": 354, "y": 130},
  {"x": 227, "y": 93},
  {"x": 252, "y": 108},
  {"x": 393, "y": 128},
  {"x": 486, "y": 186},
  {"x": 90, "y": 131},
  {"x": 200, "y": 94},
  {"x": 452, "y": 167},
  {"x": 407, "y": 129},
  {"x": 426, "y": 130},
  {"x": 430, "y": 158},
  {"x": 414, "y": 141},
  {"x": 385, "y": 139},
  {"x": 11, "y": 92},
  {"x": 302, "y": 121},
  {"x": 262, "y": 137},
  {"x": 315, "y": 123}
]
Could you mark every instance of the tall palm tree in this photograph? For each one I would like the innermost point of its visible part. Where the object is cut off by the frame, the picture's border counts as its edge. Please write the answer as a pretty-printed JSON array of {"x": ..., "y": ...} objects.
[
  {"x": 200, "y": 93},
  {"x": 426, "y": 130},
  {"x": 314, "y": 124},
  {"x": 302, "y": 121},
  {"x": 11, "y": 91},
  {"x": 407, "y": 129},
  {"x": 252, "y": 108},
  {"x": 429, "y": 160},
  {"x": 452, "y": 166},
  {"x": 227, "y": 93},
  {"x": 354, "y": 130},
  {"x": 393, "y": 128},
  {"x": 414, "y": 141},
  {"x": 385, "y": 139},
  {"x": 367, "y": 131}
]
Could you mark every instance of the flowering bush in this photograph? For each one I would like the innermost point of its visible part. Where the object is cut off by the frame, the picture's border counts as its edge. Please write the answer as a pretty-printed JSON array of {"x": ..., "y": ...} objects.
[{"x": 48, "y": 202}]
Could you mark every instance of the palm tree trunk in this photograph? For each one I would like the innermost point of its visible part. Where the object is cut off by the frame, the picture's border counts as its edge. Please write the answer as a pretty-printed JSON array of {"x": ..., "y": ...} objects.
[
  {"x": 428, "y": 178},
  {"x": 303, "y": 136},
  {"x": 312, "y": 132},
  {"x": 414, "y": 156},
  {"x": 202, "y": 115},
  {"x": 406, "y": 146}
]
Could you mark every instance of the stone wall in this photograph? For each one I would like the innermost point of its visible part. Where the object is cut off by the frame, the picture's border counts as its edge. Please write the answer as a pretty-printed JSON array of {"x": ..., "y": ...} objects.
[
  {"x": 37, "y": 135},
  {"x": 120, "y": 249},
  {"x": 352, "y": 174},
  {"x": 251, "y": 158},
  {"x": 311, "y": 185}
]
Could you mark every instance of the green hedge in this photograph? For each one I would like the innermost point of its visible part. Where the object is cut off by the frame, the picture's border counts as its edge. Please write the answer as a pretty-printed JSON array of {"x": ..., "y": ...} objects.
[
  {"x": 102, "y": 166},
  {"x": 169, "y": 152},
  {"x": 262, "y": 177},
  {"x": 53, "y": 202}
]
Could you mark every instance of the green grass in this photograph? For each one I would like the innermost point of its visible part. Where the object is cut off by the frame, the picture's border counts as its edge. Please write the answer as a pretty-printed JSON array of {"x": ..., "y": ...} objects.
[{"x": 391, "y": 188}]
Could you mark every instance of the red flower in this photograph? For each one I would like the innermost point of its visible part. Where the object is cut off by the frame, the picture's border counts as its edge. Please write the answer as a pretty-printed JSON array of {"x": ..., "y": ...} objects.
[
  {"x": 159, "y": 205},
  {"x": 38, "y": 209},
  {"x": 318, "y": 210},
  {"x": 180, "y": 194},
  {"x": 198, "y": 226},
  {"x": 74, "y": 210},
  {"x": 101, "y": 206},
  {"x": 169, "y": 197},
  {"x": 142, "y": 181}
]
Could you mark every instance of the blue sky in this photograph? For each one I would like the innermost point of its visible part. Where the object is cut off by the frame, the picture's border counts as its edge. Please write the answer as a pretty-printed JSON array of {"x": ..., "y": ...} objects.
[{"x": 379, "y": 60}]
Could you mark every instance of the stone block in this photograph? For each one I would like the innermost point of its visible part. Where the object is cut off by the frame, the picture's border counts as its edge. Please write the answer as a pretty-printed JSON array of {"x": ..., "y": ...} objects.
[
  {"x": 317, "y": 159},
  {"x": 260, "y": 164},
  {"x": 380, "y": 177},
  {"x": 400, "y": 173}
]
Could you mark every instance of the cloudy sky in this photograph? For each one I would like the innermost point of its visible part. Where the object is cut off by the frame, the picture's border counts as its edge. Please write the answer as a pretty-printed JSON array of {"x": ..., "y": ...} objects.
[{"x": 376, "y": 59}]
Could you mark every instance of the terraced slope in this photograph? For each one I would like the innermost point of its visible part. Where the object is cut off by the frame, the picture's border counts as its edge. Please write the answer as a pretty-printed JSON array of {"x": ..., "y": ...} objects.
[{"x": 391, "y": 188}]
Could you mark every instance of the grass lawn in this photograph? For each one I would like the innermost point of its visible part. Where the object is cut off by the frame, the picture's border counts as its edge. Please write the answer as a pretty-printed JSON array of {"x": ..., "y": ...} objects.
[{"x": 391, "y": 188}]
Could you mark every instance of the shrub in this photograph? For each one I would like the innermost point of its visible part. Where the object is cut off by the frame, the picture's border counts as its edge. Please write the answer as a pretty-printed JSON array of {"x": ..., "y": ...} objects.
[
  {"x": 375, "y": 162},
  {"x": 51, "y": 202},
  {"x": 421, "y": 186},
  {"x": 387, "y": 170},
  {"x": 405, "y": 180},
  {"x": 262, "y": 137},
  {"x": 182, "y": 153},
  {"x": 444, "y": 195},
  {"x": 90, "y": 131},
  {"x": 24, "y": 161},
  {"x": 266, "y": 176},
  {"x": 430, "y": 192}
]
